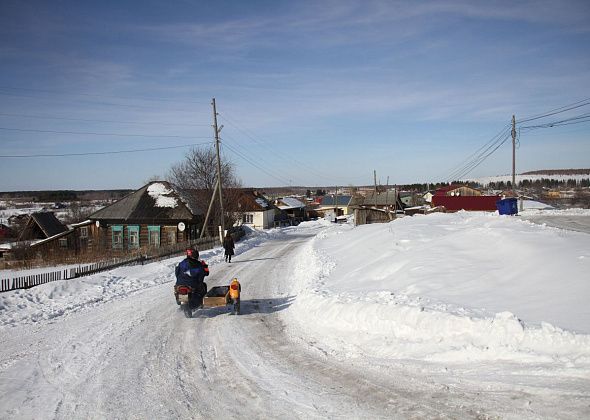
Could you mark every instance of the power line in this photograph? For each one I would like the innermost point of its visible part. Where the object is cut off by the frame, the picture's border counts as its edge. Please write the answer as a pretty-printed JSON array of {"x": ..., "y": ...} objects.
[
  {"x": 482, "y": 153},
  {"x": 568, "y": 121},
  {"x": 102, "y": 153},
  {"x": 559, "y": 110},
  {"x": 244, "y": 151},
  {"x": 94, "y": 95},
  {"x": 289, "y": 159},
  {"x": 91, "y": 102},
  {"x": 30, "y": 130},
  {"x": 103, "y": 121},
  {"x": 286, "y": 182}
]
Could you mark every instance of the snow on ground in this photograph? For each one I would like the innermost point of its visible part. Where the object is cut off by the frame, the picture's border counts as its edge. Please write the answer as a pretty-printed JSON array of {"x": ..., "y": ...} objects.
[
  {"x": 448, "y": 288},
  {"x": 54, "y": 299},
  {"x": 433, "y": 291}
]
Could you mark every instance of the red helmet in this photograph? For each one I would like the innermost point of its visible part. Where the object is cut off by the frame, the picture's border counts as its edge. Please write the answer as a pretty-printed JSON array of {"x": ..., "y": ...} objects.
[{"x": 192, "y": 253}]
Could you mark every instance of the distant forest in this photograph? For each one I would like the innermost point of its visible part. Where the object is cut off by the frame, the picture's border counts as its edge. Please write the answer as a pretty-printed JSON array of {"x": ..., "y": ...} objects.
[
  {"x": 64, "y": 195},
  {"x": 559, "y": 172}
]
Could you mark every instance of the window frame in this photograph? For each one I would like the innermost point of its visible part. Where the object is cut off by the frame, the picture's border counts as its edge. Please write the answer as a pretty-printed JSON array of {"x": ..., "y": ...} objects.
[
  {"x": 133, "y": 233},
  {"x": 117, "y": 232}
]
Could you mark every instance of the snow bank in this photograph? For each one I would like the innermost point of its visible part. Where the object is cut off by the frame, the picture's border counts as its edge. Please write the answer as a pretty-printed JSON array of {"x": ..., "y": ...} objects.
[
  {"x": 60, "y": 298},
  {"x": 447, "y": 287}
]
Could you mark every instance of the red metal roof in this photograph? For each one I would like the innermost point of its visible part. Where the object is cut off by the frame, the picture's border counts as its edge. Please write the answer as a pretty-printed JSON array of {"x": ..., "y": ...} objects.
[{"x": 473, "y": 203}]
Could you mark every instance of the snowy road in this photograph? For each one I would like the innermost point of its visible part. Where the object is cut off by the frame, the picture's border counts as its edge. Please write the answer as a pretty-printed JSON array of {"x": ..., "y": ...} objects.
[
  {"x": 137, "y": 357},
  {"x": 570, "y": 222}
]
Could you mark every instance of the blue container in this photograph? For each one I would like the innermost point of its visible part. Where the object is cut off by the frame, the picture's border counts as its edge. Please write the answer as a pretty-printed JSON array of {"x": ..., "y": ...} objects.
[{"x": 507, "y": 206}]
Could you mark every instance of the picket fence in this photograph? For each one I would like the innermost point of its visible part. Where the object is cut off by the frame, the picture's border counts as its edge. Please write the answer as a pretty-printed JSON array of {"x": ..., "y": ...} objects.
[{"x": 25, "y": 282}]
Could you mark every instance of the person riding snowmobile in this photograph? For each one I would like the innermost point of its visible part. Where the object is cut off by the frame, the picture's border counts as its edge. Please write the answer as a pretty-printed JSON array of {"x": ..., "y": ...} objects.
[{"x": 191, "y": 272}]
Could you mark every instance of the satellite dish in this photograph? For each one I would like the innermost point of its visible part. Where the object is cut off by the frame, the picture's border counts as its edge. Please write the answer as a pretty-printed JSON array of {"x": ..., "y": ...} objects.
[
  {"x": 97, "y": 223},
  {"x": 181, "y": 227}
]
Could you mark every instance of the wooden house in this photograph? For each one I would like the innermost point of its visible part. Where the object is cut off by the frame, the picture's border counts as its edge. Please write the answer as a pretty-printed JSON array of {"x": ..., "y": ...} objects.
[
  {"x": 291, "y": 211},
  {"x": 458, "y": 191},
  {"x": 41, "y": 225},
  {"x": 376, "y": 208},
  {"x": 255, "y": 210},
  {"x": 332, "y": 202},
  {"x": 463, "y": 197},
  {"x": 155, "y": 215}
]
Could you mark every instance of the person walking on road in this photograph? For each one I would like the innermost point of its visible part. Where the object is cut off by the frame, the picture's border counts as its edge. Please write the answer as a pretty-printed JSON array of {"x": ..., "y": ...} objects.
[{"x": 228, "y": 245}]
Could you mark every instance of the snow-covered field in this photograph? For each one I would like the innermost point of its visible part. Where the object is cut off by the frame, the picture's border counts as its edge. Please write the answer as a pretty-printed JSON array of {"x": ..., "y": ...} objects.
[{"x": 465, "y": 315}]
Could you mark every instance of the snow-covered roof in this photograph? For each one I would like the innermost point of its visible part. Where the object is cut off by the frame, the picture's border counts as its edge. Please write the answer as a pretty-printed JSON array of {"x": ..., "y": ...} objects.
[
  {"x": 288, "y": 203},
  {"x": 162, "y": 195}
]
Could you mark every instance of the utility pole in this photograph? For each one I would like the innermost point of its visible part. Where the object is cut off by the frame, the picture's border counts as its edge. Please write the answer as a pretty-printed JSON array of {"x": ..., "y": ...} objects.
[
  {"x": 513, "y": 153},
  {"x": 209, "y": 209},
  {"x": 387, "y": 198},
  {"x": 336, "y": 205},
  {"x": 375, "y": 180},
  {"x": 219, "y": 185}
]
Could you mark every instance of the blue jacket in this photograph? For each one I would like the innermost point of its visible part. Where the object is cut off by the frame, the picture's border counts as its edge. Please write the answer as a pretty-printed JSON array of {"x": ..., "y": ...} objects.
[{"x": 190, "y": 273}]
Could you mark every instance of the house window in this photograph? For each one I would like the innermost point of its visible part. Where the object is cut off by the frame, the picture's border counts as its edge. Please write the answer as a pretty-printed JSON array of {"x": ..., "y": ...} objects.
[
  {"x": 154, "y": 236},
  {"x": 83, "y": 232},
  {"x": 248, "y": 218},
  {"x": 63, "y": 242},
  {"x": 117, "y": 237},
  {"x": 171, "y": 237},
  {"x": 133, "y": 233}
]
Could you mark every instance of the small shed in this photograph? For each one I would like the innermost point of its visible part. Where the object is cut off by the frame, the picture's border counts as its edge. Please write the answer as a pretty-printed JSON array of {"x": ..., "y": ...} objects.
[
  {"x": 291, "y": 211},
  {"x": 41, "y": 225}
]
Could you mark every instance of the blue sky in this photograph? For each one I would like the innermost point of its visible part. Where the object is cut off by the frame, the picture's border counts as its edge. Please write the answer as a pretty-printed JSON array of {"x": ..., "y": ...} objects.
[{"x": 309, "y": 92}]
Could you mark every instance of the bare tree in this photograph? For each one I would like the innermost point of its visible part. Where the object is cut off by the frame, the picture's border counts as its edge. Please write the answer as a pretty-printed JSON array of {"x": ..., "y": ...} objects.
[{"x": 197, "y": 173}]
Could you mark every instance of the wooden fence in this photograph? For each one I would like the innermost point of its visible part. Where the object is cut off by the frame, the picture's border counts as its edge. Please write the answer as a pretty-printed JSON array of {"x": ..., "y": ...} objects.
[{"x": 25, "y": 282}]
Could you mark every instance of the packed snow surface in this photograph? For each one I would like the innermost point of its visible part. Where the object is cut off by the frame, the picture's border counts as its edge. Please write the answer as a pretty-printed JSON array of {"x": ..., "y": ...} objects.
[{"x": 465, "y": 315}]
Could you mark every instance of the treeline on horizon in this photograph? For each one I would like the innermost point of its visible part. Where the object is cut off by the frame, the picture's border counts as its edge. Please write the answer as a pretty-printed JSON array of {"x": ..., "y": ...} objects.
[
  {"x": 88, "y": 195},
  {"x": 65, "y": 195}
]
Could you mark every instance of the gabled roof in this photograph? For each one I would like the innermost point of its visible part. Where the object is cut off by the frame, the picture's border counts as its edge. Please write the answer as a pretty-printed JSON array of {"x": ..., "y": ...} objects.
[
  {"x": 250, "y": 200},
  {"x": 48, "y": 223},
  {"x": 444, "y": 190},
  {"x": 155, "y": 201},
  {"x": 381, "y": 199},
  {"x": 288, "y": 203},
  {"x": 329, "y": 200}
]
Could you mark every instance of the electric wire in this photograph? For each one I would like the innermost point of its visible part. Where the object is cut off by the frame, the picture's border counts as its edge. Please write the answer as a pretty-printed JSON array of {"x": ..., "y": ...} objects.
[
  {"x": 254, "y": 164},
  {"x": 565, "y": 108},
  {"x": 102, "y": 121},
  {"x": 567, "y": 121},
  {"x": 482, "y": 158},
  {"x": 243, "y": 149},
  {"x": 90, "y": 133},
  {"x": 105, "y": 152},
  {"x": 289, "y": 159},
  {"x": 152, "y": 108},
  {"x": 476, "y": 158},
  {"x": 95, "y": 95}
]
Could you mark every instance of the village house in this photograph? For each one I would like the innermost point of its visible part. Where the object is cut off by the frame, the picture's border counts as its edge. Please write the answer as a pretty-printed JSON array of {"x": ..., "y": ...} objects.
[
  {"x": 376, "y": 208},
  {"x": 331, "y": 202},
  {"x": 155, "y": 215},
  {"x": 41, "y": 225},
  {"x": 255, "y": 210},
  {"x": 463, "y": 197},
  {"x": 291, "y": 211}
]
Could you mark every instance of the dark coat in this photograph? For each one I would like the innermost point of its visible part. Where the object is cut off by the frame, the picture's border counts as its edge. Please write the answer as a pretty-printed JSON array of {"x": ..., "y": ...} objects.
[
  {"x": 228, "y": 245},
  {"x": 190, "y": 272}
]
